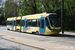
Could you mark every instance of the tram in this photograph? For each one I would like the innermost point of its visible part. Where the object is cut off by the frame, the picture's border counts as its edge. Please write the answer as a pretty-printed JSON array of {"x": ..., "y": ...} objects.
[{"x": 43, "y": 24}]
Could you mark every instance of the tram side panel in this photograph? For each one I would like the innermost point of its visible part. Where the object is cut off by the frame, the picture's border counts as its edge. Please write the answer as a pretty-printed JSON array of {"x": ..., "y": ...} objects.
[
  {"x": 42, "y": 29},
  {"x": 39, "y": 25}
]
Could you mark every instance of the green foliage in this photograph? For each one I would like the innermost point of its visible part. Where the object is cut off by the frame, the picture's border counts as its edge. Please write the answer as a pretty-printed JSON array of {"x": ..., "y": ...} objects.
[
  {"x": 38, "y": 6},
  {"x": 10, "y": 8}
]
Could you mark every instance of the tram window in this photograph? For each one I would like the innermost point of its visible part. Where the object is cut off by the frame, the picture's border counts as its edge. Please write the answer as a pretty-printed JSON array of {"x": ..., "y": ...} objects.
[
  {"x": 54, "y": 21},
  {"x": 26, "y": 23},
  {"x": 38, "y": 22},
  {"x": 48, "y": 23},
  {"x": 18, "y": 22},
  {"x": 22, "y": 22},
  {"x": 34, "y": 23},
  {"x": 51, "y": 23},
  {"x": 9, "y": 22},
  {"x": 29, "y": 22},
  {"x": 42, "y": 23}
]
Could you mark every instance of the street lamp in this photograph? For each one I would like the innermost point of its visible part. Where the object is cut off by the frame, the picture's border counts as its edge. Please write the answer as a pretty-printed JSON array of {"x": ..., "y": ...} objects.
[{"x": 62, "y": 15}]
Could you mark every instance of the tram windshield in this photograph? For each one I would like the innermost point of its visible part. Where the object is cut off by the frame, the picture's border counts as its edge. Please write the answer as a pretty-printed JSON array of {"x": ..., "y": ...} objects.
[{"x": 54, "y": 21}]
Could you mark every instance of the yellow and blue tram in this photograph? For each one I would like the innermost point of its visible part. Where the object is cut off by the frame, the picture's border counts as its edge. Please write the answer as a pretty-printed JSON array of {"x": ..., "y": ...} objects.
[{"x": 43, "y": 24}]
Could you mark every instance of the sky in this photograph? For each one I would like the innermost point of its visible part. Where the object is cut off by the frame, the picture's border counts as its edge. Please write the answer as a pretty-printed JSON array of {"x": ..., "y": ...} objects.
[
  {"x": 5, "y": 0},
  {"x": 17, "y": 1},
  {"x": 2, "y": 2}
]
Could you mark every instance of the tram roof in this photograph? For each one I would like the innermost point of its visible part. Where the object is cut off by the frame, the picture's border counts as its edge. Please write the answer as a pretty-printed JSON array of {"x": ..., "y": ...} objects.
[
  {"x": 10, "y": 19},
  {"x": 33, "y": 16},
  {"x": 36, "y": 16}
]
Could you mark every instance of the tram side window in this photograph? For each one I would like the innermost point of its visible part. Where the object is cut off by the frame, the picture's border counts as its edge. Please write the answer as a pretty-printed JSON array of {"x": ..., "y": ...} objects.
[
  {"x": 38, "y": 22},
  {"x": 18, "y": 22},
  {"x": 26, "y": 23},
  {"x": 34, "y": 23},
  {"x": 9, "y": 22},
  {"x": 22, "y": 22},
  {"x": 29, "y": 22}
]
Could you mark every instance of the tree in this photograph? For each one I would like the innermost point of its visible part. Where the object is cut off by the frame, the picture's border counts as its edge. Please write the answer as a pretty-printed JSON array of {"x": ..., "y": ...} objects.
[
  {"x": 30, "y": 7},
  {"x": 10, "y": 8},
  {"x": 26, "y": 7}
]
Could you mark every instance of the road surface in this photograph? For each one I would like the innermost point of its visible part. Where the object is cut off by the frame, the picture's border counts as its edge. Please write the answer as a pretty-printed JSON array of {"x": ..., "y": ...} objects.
[
  {"x": 7, "y": 45},
  {"x": 67, "y": 40}
]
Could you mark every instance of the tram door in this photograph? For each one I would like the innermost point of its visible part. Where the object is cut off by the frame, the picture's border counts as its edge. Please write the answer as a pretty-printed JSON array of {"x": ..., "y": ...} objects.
[
  {"x": 25, "y": 25},
  {"x": 13, "y": 23},
  {"x": 42, "y": 25}
]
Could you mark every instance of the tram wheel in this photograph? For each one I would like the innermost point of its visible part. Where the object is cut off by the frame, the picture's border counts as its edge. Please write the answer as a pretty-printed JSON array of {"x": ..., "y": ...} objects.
[
  {"x": 7, "y": 29},
  {"x": 37, "y": 33}
]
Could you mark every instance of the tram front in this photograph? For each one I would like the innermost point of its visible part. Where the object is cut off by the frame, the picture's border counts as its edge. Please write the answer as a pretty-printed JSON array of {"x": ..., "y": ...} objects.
[{"x": 53, "y": 24}]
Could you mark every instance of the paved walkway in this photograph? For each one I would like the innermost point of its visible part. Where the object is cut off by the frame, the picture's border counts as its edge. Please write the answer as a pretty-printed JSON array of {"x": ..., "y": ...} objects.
[
  {"x": 68, "y": 33},
  {"x": 36, "y": 44}
]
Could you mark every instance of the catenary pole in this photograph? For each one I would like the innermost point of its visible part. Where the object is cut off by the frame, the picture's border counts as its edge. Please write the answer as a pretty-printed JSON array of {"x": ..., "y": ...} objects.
[
  {"x": 16, "y": 17},
  {"x": 62, "y": 17}
]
